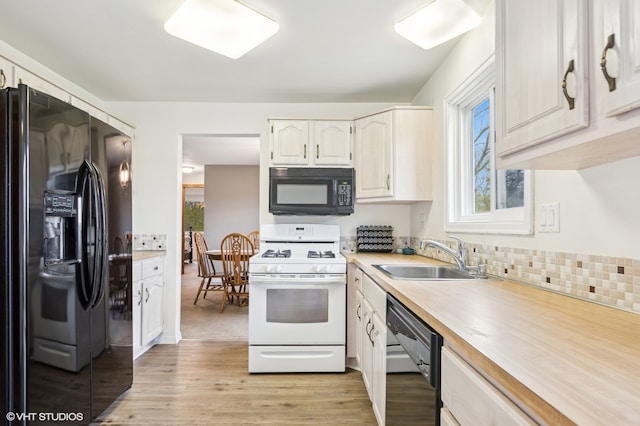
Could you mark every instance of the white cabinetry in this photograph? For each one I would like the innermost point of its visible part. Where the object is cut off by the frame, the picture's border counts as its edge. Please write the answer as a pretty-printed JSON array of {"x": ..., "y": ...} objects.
[
  {"x": 554, "y": 107},
  {"x": 620, "y": 41},
  {"x": 374, "y": 345},
  {"x": 148, "y": 302},
  {"x": 311, "y": 143},
  {"x": 87, "y": 107},
  {"x": 6, "y": 73},
  {"x": 392, "y": 150},
  {"x": 531, "y": 70},
  {"x": 25, "y": 77},
  {"x": 354, "y": 313},
  {"x": 469, "y": 399}
]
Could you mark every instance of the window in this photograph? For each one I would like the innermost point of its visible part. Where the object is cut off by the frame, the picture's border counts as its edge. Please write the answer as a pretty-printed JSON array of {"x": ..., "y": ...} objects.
[{"x": 481, "y": 198}]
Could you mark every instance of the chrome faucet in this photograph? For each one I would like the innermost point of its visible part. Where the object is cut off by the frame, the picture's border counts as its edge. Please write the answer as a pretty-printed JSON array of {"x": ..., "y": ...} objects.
[{"x": 460, "y": 255}]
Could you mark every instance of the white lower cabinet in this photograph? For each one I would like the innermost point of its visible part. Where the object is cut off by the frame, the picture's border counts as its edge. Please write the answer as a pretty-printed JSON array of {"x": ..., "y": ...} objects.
[
  {"x": 373, "y": 333},
  {"x": 148, "y": 303},
  {"x": 354, "y": 314},
  {"x": 469, "y": 399}
]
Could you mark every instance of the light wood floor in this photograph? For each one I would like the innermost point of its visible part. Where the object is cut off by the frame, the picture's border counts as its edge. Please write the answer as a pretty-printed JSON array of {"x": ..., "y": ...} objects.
[{"x": 207, "y": 383}]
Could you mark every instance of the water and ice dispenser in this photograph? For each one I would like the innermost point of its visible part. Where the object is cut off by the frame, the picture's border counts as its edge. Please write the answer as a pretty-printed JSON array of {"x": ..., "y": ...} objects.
[{"x": 61, "y": 227}]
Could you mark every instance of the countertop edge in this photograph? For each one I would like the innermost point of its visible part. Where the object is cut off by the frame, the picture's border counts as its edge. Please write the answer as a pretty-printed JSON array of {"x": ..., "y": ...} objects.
[{"x": 147, "y": 254}]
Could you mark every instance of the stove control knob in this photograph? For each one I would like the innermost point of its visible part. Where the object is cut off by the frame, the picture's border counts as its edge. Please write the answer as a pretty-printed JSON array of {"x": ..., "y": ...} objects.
[
  {"x": 274, "y": 268},
  {"x": 322, "y": 268}
]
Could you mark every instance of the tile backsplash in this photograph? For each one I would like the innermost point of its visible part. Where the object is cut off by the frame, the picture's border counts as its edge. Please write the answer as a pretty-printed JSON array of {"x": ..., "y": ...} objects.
[
  {"x": 150, "y": 241},
  {"x": 613, "y": 281}
]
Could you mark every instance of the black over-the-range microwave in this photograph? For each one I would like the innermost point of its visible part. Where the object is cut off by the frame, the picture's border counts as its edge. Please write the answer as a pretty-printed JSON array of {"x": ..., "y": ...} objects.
[{"x": 311, "y": 191}]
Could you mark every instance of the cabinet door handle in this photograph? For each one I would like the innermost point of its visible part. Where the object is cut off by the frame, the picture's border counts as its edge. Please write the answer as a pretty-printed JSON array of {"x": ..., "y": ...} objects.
[
  {"x": 305, "y": 151},
  {"x": 366, "y": 328},
  {"x": 358, "y": 312},
  {"x": 146, "y": 291},
  {"x": 570, "y": 100},
  {"x": 373, "y": 326},
  {"x": 388, "y": 181},
  {"x": 3, "y": 79},
  {"x": 317, "y": 151},
  {"x": 611, "y": 81}
]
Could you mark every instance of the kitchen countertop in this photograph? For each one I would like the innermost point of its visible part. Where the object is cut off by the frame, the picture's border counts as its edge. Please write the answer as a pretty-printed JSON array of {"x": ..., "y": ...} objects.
[
  {"x": 567, "y": 360},
  {"x": 147, "y": 254}
]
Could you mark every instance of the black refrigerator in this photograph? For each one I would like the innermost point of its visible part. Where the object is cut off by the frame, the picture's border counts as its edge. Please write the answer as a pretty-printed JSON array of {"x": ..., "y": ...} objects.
[{"x": 65, "y": 261}]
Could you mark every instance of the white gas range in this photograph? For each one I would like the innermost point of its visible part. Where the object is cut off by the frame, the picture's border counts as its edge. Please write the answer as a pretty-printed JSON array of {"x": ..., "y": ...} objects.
[{"x": 297, "y": 314}]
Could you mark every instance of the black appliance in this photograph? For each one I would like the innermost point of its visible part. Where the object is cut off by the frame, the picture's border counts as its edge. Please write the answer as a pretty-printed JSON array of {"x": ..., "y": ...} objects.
[
  {"x": 311, "y": 191},
  {"x": 66, "y": 327},
  {"x": 413, "y": 393}
]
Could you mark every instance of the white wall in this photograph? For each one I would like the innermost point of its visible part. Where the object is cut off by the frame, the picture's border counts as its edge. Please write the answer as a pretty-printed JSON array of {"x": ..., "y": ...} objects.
[
  {"x": 231, "y": 196},
  {"x": 598, "y": 206}
]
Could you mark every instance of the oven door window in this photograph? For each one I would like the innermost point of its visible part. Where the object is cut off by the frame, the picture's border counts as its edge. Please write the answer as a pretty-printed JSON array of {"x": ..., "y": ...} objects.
[{"x": 297, "y": 306}]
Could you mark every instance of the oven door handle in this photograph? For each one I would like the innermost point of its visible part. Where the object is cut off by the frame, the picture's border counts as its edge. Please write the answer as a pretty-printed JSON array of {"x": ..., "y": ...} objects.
[{"x": 297, "y": 278}]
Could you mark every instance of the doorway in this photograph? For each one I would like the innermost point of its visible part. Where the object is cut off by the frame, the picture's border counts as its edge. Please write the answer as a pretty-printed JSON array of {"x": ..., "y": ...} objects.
[{"x": 222, "y": 168}]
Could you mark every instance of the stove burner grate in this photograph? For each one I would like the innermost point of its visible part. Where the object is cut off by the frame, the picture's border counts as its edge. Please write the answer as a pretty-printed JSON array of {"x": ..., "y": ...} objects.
[
  {"x": 279, "y": 253},
  {"x": 320, "y": 254}
]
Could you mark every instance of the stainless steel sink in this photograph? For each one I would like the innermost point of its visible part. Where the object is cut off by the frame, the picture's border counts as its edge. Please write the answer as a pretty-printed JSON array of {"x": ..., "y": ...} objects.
[{"x": 424, "y": 272}]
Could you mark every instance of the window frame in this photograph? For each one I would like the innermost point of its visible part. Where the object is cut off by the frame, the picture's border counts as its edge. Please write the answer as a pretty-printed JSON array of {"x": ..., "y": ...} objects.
[{"x": 459, "y": 185}]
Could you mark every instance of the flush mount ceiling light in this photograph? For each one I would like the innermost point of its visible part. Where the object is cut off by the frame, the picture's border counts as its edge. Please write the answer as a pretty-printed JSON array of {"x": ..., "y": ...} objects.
[
  {"x": 438, "y": 22},
  {"x": 223, "y": 26},
  {"x": 187, "y": 169}
]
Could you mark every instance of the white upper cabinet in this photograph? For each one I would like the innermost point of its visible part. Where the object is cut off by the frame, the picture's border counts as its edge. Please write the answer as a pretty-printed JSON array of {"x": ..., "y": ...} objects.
[
  {"x": 311, "y": 143},
  {"x": 541, "y": 71},
  {"x": 6, "y": 73},
  {"x": 567, "y": 83},
  {"x": 374, "y": 149},
  {"x": 92, "y": 110},
  {"x": 392, "y": 156},
  {"x": 620, "y": 58},
  {"x": 332, "y": 143},
  {"x": 25, "y": 77}
]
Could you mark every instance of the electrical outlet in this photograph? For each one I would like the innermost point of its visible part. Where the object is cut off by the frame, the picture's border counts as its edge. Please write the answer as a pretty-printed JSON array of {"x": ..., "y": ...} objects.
[{"x": 548, "y": 217}]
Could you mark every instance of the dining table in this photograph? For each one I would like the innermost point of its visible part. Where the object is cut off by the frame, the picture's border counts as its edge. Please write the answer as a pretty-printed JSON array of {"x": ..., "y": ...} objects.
[{"x": 216, "y": 254}]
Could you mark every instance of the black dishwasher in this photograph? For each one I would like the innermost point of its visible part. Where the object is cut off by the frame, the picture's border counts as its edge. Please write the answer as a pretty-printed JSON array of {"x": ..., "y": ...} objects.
[{"x": 413, "y": 388}]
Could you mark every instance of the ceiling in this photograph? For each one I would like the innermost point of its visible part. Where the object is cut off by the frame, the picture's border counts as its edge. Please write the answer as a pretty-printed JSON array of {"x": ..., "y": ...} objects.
[
  {"x": 198, "y": 150},
  {"x": 325, "y": 51}
]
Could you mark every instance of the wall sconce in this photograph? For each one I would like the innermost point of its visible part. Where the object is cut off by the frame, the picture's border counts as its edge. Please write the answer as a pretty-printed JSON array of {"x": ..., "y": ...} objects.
[{"x": 125, "y": 171}]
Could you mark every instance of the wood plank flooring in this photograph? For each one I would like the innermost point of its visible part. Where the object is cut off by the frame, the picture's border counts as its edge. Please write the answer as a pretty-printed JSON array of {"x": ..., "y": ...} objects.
[{"x": 207, "y": 383}]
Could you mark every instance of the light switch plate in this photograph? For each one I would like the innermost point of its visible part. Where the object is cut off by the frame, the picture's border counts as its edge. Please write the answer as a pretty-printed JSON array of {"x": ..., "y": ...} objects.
[{"x": 548, "y": 217}]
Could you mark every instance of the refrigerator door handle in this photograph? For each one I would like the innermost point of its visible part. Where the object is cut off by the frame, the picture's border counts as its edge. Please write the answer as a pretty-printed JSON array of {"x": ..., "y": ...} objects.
[
  {"x": 83, "y": 189},
  {"x": 101, "y": 247}
]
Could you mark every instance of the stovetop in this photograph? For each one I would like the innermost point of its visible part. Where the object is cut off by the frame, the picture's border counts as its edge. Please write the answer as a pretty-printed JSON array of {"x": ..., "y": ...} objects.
[
  {"x": 299, "y": 248},
  {"x": 286, "y": 253}
]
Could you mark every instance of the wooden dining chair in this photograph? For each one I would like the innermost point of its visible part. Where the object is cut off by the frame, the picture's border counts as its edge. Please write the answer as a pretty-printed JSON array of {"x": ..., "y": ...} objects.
[
  {"x": 206, "y": 269},
  {"x": 254, "y": 237},
  {"x": 235, "y": 251}
]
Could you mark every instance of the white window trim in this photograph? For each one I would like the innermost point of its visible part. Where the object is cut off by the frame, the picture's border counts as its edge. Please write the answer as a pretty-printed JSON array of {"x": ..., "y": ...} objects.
[{"x": 503, "y": 221}]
